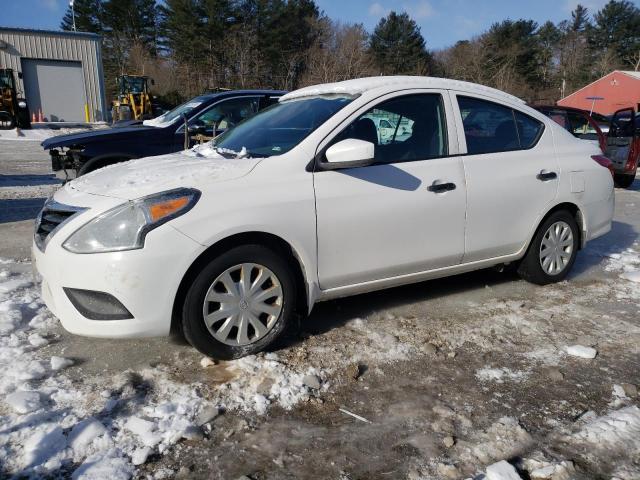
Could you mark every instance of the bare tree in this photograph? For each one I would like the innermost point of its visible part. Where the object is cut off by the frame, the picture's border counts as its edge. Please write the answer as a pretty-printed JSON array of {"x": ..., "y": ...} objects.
[{"x": 339, "y": 53}]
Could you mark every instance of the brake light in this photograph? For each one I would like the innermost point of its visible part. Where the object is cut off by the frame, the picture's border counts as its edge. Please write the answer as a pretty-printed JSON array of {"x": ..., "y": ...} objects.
[{"x": 604, "y": 161}]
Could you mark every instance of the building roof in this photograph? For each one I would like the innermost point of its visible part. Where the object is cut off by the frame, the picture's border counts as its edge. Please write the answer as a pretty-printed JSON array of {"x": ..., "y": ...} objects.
[
  {"x": 360, "y": 85},
  {"x": 62, "y": 33},
  {"x": 635, "y": 75}
]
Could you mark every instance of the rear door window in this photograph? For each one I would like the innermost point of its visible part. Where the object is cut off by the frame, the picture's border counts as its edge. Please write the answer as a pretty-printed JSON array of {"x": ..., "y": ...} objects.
[
  {"x": 529, "y": 129},
  {"x": 490, "y": 127}
]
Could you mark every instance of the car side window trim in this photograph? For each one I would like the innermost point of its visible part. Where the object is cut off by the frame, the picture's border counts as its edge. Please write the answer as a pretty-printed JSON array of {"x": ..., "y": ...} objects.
[
  {"x": 313, "y": 165},
  {"x": 180, "y": 129},
  {"x": 514, "y": 110}
]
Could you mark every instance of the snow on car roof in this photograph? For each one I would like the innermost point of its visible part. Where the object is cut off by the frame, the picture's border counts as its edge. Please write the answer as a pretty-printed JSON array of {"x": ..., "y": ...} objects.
[{"x": 359, "y": 86}]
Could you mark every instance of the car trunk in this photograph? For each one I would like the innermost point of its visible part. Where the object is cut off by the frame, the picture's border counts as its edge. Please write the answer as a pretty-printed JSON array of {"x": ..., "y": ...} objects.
[{"x": 620, "y": 141}]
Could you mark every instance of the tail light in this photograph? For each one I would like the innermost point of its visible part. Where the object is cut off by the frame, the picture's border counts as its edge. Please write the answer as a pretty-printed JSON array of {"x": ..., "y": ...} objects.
[{"x": 604, "y": 161}]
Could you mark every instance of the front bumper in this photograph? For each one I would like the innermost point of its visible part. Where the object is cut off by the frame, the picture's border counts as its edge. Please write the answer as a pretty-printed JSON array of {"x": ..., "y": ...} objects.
[{"x": 145, "y": 281}]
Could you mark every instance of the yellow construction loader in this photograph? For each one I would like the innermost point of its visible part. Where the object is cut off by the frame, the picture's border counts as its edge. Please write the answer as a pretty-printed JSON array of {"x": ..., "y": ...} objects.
[
  {"x": 14, "y": 111},
  {"x": 133, "y": 101}
]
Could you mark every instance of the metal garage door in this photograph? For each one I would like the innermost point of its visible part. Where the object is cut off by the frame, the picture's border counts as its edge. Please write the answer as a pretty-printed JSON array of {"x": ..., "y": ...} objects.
[{"x": 56, "y": 87}]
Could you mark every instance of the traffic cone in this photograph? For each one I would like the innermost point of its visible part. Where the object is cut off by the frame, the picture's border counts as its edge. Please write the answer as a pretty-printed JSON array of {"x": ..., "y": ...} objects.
[
  {"x": 40, "y": 118},
  {"x": 33, "y": 117}
]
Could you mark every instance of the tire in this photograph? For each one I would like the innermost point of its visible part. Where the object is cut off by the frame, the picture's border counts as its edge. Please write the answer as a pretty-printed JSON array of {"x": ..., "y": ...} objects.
[
  {"x": 624, "y": 181},
  {"x": 207, "y": 285},
  {"x": 531, "y": 266},
  {"x": 96, "y": 163}
]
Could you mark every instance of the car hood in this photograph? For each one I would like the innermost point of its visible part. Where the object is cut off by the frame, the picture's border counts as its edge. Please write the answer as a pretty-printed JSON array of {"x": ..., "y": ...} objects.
[
  {"x": 102, "y": 134},
  {"x": 146, "y": 176}
]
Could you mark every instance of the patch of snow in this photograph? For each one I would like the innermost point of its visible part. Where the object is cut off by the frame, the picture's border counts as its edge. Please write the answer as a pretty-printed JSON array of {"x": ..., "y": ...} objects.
[
  {"x": 45, "y": 448},
  {"x": 95, "y": 425},
  {"x": 145, "y": 430},
  {"x": 581, "y": 351},
  {"x": 58, "y": 363},
  {"x": 139, "y": 177},
  {"x": 39, "y": 133},
  {"x": 505, "y": 438},
  {"x": 359, "y": 86},
  {"x": 502, "y": 470},
  {"x": 376, "y": 344},
  {"x": 287, "y": 387},
  {"x": 633, "y": 276},
  {"x": 617, "y": 431},
  {"x": 499, "y": 375},
  {"x": 84, "y": 433},
  {"x": 109, "y": 465},
  {"x": 23, "y": 401},
  {"x": 37, "y": 340}
]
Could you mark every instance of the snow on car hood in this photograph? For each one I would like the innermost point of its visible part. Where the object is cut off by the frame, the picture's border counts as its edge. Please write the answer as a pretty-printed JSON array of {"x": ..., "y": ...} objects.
[{"x": 137, "y": 178}]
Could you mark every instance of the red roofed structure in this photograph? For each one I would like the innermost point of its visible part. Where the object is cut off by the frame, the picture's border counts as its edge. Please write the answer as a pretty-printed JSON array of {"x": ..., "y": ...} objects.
[{"x": 619, "y": 89}]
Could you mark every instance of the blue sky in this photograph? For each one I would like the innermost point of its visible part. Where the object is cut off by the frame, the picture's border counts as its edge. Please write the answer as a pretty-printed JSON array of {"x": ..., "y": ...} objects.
[{"x": 443, "y": 22}]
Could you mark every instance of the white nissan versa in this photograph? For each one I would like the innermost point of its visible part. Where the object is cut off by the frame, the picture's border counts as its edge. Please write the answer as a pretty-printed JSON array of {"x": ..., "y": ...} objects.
[{"x": 304, "y": 202}]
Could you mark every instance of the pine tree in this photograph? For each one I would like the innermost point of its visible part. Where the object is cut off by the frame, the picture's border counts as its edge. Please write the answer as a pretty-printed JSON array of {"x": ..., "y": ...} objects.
[
  {"x": 87, "y": 16},
  {"x": 132, "y": 21},
  {"x": 616, "y": 30},
  {"x": 512, "y": 52},
  {"x": 398, "y": 46}
]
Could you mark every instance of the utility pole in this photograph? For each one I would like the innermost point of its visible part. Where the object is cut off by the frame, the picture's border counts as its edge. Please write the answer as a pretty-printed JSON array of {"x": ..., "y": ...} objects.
[{"x": 73, "y": 14}]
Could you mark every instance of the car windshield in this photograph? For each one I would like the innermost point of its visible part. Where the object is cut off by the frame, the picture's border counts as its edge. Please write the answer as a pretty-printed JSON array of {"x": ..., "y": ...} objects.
[
  {"x": 278, "y": 129},
  {"x": 132, "y": 84},
  {"x": 171, "y": 116}
]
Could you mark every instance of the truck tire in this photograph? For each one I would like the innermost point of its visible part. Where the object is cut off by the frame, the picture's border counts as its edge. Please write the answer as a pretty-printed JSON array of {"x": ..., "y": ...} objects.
[
  {"x": 624, "y": 180},
  {"x": 96, "y": 163}
]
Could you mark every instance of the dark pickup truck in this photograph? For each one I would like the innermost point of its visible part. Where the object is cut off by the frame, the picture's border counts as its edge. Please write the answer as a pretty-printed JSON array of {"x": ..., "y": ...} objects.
[{"x": 207, "y": 115}]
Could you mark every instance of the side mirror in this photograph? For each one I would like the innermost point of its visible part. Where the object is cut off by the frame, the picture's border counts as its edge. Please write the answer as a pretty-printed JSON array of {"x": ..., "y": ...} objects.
[
  {"x": 349, "y": 153},
  {"x": 195, "y": 129}
]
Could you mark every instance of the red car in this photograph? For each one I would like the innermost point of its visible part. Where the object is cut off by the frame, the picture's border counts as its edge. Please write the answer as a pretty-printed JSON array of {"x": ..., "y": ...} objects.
[{"x": 620, "y": 142}]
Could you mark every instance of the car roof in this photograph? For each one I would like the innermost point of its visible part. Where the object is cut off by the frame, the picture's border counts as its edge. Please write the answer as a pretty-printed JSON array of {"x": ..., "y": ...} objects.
[
  {"x": 361, "y": 85},
  {"x": 240, "y": 93}
]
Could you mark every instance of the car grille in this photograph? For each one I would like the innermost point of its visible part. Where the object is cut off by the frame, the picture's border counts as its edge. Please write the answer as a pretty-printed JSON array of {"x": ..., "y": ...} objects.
[{"x": 52, "y": 216}]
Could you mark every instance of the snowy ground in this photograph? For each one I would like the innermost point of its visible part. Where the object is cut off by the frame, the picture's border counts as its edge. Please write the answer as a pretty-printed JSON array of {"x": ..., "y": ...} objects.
[
  {"x": 38, "y": 133},
  {"x": 445, "y": 379}
]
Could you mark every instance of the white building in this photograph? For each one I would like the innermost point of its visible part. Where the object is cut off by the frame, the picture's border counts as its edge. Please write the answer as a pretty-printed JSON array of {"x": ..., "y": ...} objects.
[{"x": 60, "y": 72}]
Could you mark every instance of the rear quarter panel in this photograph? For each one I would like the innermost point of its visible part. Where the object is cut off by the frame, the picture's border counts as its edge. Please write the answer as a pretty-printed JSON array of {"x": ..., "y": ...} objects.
[{"x": 584, "y": 182}]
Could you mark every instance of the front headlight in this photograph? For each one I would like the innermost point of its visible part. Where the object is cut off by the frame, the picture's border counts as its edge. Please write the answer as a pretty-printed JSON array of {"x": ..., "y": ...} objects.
[
  {"x": 125, "y": 226},
  {"x": 22, "y": 104}
]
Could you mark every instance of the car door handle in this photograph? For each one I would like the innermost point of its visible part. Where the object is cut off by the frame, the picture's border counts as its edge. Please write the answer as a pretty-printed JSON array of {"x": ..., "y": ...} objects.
[
  {"x": 441, "y": 187},
  {"x": 544, "y": 176}
]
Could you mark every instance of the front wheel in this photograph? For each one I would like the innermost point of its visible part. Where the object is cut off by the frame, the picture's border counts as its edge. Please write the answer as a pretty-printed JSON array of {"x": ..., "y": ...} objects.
[
  {"x": 624, "y": 180},
  {"x": 553, "y": 250},
  {"x": 240, "y": 303}
]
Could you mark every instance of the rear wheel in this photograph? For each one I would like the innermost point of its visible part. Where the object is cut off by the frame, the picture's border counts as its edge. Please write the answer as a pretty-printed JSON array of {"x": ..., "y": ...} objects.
[
  {"x": 553, "y": 250},
  {"x": 624, "y": 180},
  {"x": 240, "y": 303}
]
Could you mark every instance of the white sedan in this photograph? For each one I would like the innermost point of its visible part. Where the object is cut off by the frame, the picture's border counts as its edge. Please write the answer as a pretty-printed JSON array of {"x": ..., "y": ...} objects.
[{"x": 302, "y": 203}]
